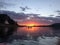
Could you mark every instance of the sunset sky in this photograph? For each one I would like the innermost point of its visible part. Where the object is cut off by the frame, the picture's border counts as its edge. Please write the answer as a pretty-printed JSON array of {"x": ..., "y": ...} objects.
[
  {"x": 42, "y": 7},
  {"x": 37, "y": 11}
]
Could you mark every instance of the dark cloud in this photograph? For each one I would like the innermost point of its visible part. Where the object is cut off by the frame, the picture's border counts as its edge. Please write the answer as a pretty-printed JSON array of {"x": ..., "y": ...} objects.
[
  {"x": 51, "y": 15},
  {"x": 58, "y": 11},
  {"x": 58, "y": 16},
  {"x": 24, "y": 8}
]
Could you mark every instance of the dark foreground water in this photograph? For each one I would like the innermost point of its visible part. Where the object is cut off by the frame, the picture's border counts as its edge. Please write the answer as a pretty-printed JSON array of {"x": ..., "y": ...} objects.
[{"x": 29, "y": 36}]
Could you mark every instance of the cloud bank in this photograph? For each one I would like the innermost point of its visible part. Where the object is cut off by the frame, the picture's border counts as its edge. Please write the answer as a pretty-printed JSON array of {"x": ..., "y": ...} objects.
[{"x": 34, "y": 17}]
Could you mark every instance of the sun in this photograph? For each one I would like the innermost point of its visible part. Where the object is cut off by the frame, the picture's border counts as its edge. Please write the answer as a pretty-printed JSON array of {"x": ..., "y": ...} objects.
[{"x": 30, "y": 25}]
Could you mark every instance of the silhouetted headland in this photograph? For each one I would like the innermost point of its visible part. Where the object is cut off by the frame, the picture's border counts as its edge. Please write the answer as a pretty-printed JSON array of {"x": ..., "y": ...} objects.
[
  {"x": 55, "y": 25},
  {"x": 4, "y": 18}
]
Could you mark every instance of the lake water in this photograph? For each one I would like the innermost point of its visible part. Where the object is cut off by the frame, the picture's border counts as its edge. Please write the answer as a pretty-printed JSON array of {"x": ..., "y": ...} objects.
[
  {"x": 8, "y": 34},
  {"x": 38, "y": 31}
]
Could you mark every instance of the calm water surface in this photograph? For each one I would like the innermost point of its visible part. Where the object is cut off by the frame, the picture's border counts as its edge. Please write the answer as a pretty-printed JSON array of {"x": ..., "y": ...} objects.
[
  {"x": 38, "y": 31},
  {"x": 7, "y": 34}
]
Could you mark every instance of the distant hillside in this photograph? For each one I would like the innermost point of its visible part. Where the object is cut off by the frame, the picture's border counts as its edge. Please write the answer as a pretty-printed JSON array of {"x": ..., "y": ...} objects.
[{"x": 55, "y": 25}]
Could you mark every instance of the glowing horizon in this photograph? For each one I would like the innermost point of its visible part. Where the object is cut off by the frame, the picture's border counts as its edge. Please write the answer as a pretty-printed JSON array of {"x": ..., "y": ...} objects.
[{"x": 31, "y": 23}]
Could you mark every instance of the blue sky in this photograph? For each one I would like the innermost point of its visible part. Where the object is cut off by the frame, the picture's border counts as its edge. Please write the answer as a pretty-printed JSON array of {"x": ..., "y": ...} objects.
[{"x": 43, "y": 7}]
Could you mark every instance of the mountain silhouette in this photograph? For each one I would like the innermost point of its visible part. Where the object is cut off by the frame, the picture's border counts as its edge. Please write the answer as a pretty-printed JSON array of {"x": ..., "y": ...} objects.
[
  {"x": 55, "y": 25},
  {"x": 4, "y": 18}
]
